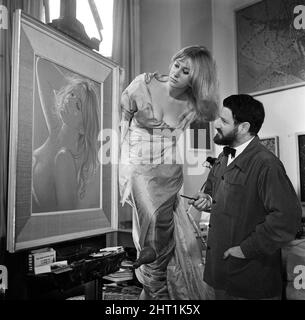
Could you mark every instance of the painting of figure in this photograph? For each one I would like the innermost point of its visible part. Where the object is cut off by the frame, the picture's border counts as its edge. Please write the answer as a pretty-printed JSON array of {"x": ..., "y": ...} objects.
[{"x": 65, "y": 167}]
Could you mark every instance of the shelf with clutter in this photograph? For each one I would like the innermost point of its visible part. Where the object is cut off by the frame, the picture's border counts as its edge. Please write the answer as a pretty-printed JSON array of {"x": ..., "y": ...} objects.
[{"x": 70, "y": 272}]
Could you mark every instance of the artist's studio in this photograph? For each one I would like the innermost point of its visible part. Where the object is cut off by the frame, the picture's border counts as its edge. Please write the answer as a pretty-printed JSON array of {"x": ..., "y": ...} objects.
[{"x": 117, "y": 177}]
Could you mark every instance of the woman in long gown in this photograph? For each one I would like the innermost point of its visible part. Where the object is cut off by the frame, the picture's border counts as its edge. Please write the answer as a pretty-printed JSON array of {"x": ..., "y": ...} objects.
[{"x": 155, "y": 110}]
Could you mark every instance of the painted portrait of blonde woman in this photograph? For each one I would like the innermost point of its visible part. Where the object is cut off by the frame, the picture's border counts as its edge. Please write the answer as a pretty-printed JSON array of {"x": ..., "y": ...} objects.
[{"x": 66, "y": 168}]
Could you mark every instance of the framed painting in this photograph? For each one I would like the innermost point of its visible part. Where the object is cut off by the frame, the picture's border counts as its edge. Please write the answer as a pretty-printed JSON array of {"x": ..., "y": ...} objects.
[
  {"x": 270, "y": 49},
  {"x": 200, "y": 136},
  {"x": 300, "y": 138},
  {"x": 272, "y": 144},
  {"x": 62, "y": 173}
]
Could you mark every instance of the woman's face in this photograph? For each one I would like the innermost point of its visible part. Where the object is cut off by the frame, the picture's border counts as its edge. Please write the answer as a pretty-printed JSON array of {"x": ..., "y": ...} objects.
[
  {"x": 71, "y": 111},
  {"x": 180, "y": 74}
]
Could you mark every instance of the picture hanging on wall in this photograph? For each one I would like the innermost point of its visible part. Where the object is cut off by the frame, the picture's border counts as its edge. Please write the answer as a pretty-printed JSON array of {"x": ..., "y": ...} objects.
[
  {"x": 300, "y": 137},
  {"x": 64, "y": 98},
  {"x": 270, "y": 48},
  {"x": 272, "y": 144}
]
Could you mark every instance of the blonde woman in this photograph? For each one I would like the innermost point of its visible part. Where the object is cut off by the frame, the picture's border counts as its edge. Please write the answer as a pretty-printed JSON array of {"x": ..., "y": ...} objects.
[
  {"x": 66, "y": 164},
  {"x": 156, "y": 109}
]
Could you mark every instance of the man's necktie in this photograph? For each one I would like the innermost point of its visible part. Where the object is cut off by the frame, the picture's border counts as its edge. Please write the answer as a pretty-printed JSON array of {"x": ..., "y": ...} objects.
[{"x": 229, "y": 150}]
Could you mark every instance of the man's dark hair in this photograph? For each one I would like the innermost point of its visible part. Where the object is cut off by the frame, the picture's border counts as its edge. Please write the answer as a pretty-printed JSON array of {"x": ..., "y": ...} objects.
[{"x": 246, "y": 109}]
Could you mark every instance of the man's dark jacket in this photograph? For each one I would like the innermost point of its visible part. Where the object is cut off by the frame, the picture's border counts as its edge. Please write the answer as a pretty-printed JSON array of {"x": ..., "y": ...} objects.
[{"x": 255, "y": 207}]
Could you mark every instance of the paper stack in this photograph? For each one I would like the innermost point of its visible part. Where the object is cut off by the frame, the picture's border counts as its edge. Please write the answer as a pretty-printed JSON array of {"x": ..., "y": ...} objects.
[
  {"x": 107, "y": 251},
  {"x": 120, "y": 275}
]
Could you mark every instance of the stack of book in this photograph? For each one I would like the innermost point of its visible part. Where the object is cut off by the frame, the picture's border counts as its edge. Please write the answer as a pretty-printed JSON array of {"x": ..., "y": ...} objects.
[
  {"x": 120, "y": 275},
  {"x": 40, "y": 260},
  {"x": 107, "y": 251},
  {"x": 119, "y": 292}
]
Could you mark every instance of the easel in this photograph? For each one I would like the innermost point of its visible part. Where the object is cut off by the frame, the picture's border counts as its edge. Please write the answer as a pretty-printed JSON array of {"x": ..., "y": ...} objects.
[{"x": 68, "y": 24}]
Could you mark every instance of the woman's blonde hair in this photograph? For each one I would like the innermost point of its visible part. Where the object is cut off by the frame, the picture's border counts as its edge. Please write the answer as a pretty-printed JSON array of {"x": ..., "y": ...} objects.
[
  {"x": 204, "y": 84},
  {"x": 88, "y": 138}
]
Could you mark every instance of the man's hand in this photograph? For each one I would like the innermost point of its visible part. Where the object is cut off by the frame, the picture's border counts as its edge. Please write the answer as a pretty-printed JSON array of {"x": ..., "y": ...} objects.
[
  {"x": 203, "y": 202},
  {"x": 234, "y": 252}
]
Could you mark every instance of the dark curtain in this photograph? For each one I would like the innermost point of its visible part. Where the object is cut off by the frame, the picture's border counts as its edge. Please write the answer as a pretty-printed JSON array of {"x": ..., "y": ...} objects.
[
  {"x": 126, "y": 53},
  {"x": 126, "y": 38}
]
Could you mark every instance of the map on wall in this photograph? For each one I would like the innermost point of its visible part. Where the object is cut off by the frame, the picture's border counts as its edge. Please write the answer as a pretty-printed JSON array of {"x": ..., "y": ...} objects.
[{"x": 270, "y": 50}]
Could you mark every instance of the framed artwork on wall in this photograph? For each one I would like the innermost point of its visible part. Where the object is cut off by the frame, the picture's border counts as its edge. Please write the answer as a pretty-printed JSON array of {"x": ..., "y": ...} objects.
[
  {"x": 300, "y": 138},
  {"x": 200, "y": 136},
  {"x": 270, "y": 49},
  {"x": 272, "y": 144},
  {"x": 62, "y": 174}
]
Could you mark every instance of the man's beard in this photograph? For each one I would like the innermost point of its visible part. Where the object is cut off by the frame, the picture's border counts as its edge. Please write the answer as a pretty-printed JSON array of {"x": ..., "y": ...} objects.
[{"x": 227, "y": 140}]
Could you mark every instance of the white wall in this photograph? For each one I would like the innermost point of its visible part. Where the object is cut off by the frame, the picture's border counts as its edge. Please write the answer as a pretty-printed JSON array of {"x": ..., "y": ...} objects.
[
  {"x": 196, "y": 22},
  {"x": 285, "y": 110},
  {"x": 160, "y": 33},
  {"x": 285, "y": 116},
  {"x": 169, "y": 25}
]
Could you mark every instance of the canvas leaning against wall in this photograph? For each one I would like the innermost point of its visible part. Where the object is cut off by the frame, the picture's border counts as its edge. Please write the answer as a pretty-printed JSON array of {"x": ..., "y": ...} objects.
[{"x": 62, "y": 175}]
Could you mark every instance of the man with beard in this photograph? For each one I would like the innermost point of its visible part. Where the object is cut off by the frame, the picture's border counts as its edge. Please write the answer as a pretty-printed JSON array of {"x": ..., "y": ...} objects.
[{"x": 254, "y": 208}]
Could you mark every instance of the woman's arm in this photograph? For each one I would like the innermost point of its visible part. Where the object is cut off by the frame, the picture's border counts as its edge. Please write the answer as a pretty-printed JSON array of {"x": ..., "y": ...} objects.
[
  {"x": 132, "y": 99},
  {"x": 65, "y": 181},
  {"x": 49, "y": 80},
  {"x": 126, "y": 115}
]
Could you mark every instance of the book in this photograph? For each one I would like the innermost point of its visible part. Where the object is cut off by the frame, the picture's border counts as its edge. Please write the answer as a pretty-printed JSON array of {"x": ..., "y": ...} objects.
[
  {"x": 61, "y": 269},
  {"x": 120, "y": 293},
  {"x": 55, "y": 267},
  {"x": 117, "y": 249},
  {"x": 42, "y": 269},
  {"x": 120, "y": 275},
  {"x": 59, "y": 264},
  {"x": 100, "y": 254},
  {"x": 40, "y": 257},
  {"x": 107, "y": 251}
]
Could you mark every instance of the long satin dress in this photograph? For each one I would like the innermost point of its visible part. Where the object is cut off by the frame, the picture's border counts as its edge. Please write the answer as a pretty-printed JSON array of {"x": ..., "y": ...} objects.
[{"x": 150, "y": 177}]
